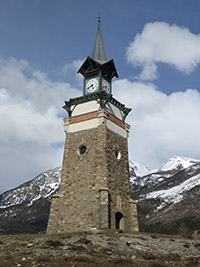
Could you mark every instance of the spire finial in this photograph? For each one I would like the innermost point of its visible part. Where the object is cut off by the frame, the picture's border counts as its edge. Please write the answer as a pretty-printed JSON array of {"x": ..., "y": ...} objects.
[{"x": 99, "y": 18}]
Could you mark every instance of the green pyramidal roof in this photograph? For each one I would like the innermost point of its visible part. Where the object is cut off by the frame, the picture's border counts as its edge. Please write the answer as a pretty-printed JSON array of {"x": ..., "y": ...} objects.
[{"x": 98, "y": 51}]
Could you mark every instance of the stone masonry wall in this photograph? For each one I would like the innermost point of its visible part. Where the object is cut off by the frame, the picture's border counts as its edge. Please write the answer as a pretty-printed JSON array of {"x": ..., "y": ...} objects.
[
  {"x": 95, "y": 185},
  {"x": 118, "y": 179}
]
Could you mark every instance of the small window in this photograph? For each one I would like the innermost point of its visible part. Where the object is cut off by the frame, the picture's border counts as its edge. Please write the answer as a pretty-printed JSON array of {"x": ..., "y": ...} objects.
[
  {"x": 118, "y": 154},
  {"x": 82, "y": 149}
]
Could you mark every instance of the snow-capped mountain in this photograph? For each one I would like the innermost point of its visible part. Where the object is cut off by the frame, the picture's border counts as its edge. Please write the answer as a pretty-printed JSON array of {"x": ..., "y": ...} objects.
[
  {"x": 178, "y": 163},
  {"x": 169, "y": 198},
  {"x": 165, "y": 197},
  {"x": 162, "y": 178},
  {"x": 43, "y": 186},
  {"x": 137, "y": 169},
  {"x": 26, "y": 208},
  {"x": 175, "y": 194}
]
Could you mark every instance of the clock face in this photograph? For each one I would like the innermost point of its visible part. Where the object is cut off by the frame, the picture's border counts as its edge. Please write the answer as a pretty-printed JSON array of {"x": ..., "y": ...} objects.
[
  {"x": 106, "y": 86},
  {"x": 92, "y": 85}
]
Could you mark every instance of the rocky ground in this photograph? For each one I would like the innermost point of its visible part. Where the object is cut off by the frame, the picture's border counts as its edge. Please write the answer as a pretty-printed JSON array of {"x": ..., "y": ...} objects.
[{"x": 99, "y": 248}]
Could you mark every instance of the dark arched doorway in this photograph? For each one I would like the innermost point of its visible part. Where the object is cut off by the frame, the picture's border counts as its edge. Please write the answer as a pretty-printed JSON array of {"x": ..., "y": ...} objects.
[{"x": 119, "y": 220}]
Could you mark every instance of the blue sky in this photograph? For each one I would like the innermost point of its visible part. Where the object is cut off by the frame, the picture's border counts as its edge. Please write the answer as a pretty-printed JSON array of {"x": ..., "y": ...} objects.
[
  {"x": 156, "y": 48},
  {"x": 51, "y": 33}
]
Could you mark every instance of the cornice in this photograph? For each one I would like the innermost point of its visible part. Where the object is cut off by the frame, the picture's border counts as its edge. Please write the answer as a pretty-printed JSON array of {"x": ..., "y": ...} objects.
[{"x": 102, "y": 97}]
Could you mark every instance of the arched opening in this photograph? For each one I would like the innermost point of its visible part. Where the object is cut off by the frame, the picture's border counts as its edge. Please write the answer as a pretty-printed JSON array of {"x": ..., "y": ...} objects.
[{"x": 119, "y": 220}]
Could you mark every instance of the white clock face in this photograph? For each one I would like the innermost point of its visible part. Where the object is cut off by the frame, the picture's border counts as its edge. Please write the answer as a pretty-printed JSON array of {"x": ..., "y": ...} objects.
[
  {"x": 92, "y": 85},
  {"x": 106, "y": 86}
]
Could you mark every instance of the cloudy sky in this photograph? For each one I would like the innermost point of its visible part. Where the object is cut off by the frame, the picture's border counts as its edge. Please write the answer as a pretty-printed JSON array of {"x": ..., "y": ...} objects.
[{"x": 156, "y": 48}]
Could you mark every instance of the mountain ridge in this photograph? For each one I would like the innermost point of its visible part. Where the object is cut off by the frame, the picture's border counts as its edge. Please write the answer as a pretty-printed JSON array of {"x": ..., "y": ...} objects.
[
  {"x": 157, "y": 192},
  {"x": 169, "y": 200}
]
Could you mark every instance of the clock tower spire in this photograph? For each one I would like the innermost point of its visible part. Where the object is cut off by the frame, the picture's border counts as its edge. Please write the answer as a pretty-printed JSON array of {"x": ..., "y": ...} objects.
[{"x": 98, "y": 51}]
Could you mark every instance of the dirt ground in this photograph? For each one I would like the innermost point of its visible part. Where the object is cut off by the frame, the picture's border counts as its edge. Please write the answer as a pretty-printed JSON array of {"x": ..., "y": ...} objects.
[{"x": 99, "y": 248}]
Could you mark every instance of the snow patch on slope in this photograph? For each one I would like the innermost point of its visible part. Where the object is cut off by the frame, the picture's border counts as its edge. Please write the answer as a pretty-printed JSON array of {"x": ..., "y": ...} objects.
[{"x": 175, "y": 194}]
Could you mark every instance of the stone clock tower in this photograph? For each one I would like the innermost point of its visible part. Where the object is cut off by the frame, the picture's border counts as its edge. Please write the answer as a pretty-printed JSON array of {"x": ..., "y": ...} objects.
[{"x": 95, "y": 189}]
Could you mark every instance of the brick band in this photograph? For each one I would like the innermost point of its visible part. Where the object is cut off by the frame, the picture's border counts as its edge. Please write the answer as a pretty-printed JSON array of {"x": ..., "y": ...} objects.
[
  {"x": 84, "y": 117},
  {"x": 94, "y": 115}
]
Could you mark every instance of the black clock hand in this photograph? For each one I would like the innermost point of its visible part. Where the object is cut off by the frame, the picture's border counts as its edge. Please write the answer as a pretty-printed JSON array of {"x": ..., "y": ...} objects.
[{"x": 90, "y": 86}]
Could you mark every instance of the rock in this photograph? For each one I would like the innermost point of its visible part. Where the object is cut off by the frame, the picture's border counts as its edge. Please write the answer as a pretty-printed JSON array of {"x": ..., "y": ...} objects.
[
  {"x": 30, "y": 245},
  {"x": 108, "y": 253},
  {"x": 128, "y": 243}
]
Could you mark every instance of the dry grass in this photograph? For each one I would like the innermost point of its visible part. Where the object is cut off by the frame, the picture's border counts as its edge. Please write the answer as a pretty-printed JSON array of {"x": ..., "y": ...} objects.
[
  {"x": 102, "y": 249},
  {"x": 54, "y": 243}
]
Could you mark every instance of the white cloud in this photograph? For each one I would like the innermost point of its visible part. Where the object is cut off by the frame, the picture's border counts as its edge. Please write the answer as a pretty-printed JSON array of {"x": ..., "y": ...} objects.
[
  {"x": 74, "y": 65},
  {"x": 32, "y": 136},
  {"x": 162, "y": 126},
  {"x": 21, "y": 122},
  {"x": 72, "y": 68},
  {"x": 161, "y": 42},
  {"x": 31, "y": 133}
]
